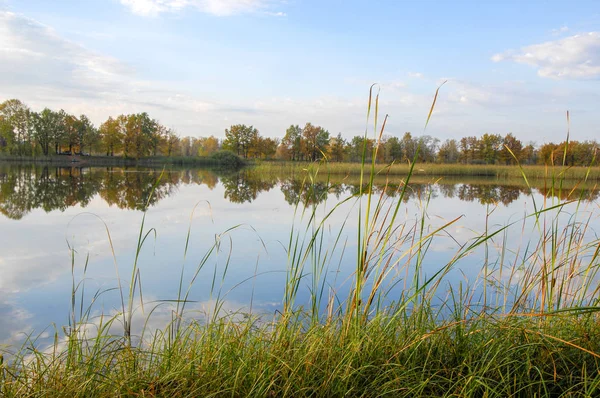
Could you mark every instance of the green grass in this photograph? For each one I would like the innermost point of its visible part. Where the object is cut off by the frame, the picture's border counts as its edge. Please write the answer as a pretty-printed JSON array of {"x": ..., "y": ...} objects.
[
  {"x": 412, "y": 356},
  {"x": 438, "y": 170},
  {"x": 527, "y": 326}
]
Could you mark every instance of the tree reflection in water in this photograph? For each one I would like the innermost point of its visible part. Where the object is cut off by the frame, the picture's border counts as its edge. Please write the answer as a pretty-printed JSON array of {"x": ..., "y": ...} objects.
[{"x": 24, "y": 188}]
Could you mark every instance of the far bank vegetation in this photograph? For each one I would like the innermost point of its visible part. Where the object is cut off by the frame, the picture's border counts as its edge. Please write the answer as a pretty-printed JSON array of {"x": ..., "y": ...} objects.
[{"x": 25, "y": 133}]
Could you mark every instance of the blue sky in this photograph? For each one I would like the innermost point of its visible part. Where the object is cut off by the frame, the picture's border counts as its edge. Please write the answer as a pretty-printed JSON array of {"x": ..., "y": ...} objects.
[{"x": 201, "y": 65}]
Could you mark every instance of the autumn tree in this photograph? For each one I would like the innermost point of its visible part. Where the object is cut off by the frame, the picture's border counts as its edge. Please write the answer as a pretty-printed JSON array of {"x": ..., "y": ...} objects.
[
  {"x": 585, "y": 153},
  {"x": 157, "y": 138},
  {"x": 511, "y": 148},
  {"x": 336, "y": 148},
  {"x": 15, "y": 115},
  {"x": 196, "y": 144},
  {"x": 292, "y": 142},
  {"x": 111, "y": 136},
  {"x": 469, "y": 149},
  {"x": 427, "y": 148},
  {"x": 60, "y": 136},
  {"x": 448, "y": 152},
  {"x": 547, "y": 153},
  {"x": 529, "y": 154},
  {"x": 71, "y": 127},
  {"x": 314, "y": 141},
  {"x": 409, "y": 147},
  {"x": 171, "y": 142},
  {"x": 264, "y": 147},
  {"x": 208, "y": 145},
  {"x": 138, "y": 134}
]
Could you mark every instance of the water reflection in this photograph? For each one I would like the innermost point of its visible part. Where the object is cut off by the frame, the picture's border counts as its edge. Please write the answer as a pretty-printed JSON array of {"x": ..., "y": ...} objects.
[{"x": 24, "y": 188}]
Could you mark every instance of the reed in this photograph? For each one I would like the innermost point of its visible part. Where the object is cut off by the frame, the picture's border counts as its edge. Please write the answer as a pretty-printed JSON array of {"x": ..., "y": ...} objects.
[
  {"x": 537, "y": 172},
  {"x": 528, "y": 325}
]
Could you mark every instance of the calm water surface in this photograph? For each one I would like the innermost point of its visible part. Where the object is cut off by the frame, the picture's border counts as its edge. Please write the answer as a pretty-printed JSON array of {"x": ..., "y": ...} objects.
[{"x": 56, "y": 222}]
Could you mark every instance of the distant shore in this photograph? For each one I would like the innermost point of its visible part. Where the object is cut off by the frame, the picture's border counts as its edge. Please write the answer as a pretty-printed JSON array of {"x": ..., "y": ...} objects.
[
  {"x": 538, "y": 172},
  {"x": 435, "y": 169},
  {"x": 91, "y": 161}
]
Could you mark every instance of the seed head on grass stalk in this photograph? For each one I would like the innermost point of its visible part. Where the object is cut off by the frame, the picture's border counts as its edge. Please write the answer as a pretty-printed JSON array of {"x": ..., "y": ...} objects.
[{"x": 369, "y": 218}]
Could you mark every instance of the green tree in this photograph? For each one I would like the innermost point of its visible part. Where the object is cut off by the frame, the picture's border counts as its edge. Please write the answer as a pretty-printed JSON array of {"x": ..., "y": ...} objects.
[
  {"x": 238, "y": 139},
  {"x": 88, "y": 135},
  {"x": 489, "y": 147},
  {"x": 529, "y": 154},
  {"x": 314, "y": 141},
  {"x": 356, "y": 148},
  {"x": 292, "y": 142},
  {"x": 392, "y": 149},
  {"x": 47, "y": 125},
  {"x": 16, "y": 114},
  {"x": 7, "y": 135}
]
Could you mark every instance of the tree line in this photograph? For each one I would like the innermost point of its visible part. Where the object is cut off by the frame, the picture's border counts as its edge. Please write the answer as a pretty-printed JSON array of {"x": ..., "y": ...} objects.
[{"x": 28, "y": 133}]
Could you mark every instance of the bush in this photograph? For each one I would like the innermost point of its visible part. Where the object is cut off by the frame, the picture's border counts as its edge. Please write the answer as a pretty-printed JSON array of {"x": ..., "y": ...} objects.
[{"x": 227, "y": 159}]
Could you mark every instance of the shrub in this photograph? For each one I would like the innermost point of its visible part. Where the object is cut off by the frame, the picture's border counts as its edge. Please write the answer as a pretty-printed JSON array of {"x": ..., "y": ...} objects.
[{"x": 227, "y": 159}]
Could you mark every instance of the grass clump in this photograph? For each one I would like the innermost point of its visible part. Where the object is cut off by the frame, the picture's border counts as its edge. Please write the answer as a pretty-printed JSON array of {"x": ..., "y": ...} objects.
[
  {"x": 527, "y": 326},
  {"x": 410, "y": 356}
]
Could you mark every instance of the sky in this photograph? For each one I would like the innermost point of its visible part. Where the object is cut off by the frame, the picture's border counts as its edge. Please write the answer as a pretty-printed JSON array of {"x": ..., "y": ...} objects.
[{"x": 199, "y": 66}]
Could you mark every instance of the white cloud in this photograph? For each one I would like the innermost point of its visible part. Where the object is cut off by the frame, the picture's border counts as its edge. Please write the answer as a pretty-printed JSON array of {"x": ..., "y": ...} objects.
[
  {"x": 277, "y": 14},
  {"x": 43, "y": 69},
  {"x": 574, "y": 57},
  {"x": 560, "y": 30},
  {"x": 393, "y": 85},
  {"x": 32, "y": 53},
  {"x": 416, "y": 75},
  {"x": 213, "y": 7},
  {"x": 154, "y": 7}
]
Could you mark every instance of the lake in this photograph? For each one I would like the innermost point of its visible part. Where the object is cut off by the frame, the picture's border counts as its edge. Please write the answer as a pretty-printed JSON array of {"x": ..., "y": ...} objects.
[{"x": 77, "y": 229}]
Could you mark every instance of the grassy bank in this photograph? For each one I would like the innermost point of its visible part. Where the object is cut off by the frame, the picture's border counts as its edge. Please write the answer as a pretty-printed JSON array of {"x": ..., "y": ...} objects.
[
  {"x": 406, "y": 356},
  {"x": 528, "y": 324},
  {"x": 437, "y": 170}
]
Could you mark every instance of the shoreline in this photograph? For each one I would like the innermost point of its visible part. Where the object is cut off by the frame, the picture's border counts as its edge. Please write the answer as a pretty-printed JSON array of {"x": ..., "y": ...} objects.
[{"x": 539, "y": 172}]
